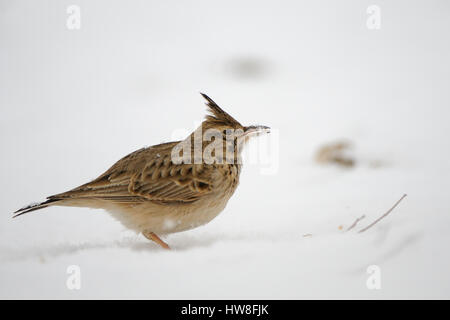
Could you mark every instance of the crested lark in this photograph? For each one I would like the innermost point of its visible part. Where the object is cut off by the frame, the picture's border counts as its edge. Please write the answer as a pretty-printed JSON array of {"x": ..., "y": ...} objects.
[{"x": 170, "y": 187}]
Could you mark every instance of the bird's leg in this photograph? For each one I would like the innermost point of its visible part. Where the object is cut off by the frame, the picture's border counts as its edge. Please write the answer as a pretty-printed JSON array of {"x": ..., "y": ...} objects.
[{"x": 152, "y": 236}]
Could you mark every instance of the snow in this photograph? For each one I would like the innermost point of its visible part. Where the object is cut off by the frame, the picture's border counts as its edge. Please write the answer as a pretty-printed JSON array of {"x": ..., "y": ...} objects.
[{"x": 75, "y": 101}]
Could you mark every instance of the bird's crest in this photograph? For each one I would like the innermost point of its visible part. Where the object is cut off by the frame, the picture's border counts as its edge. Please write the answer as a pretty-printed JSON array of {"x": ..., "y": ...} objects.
[{"x": 217, "y": 116}]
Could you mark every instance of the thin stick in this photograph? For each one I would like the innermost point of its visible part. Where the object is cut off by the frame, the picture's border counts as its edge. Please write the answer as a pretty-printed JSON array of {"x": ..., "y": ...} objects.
[
  {"x": 355, "y": 223},
  {"x": 383, "y": 216}
]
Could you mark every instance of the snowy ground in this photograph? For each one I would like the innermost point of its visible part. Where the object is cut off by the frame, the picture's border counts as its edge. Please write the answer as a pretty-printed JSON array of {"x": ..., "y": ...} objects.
[{"x": 74, "y": 102}]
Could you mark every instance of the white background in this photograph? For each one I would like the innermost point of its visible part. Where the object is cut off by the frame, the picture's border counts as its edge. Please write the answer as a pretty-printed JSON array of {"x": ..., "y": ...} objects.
[{"x": 75, "y": 101}]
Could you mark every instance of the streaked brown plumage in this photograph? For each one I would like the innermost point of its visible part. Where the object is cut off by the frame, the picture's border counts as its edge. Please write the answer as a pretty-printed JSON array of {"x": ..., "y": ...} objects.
[{"x": 150, "y": 193}]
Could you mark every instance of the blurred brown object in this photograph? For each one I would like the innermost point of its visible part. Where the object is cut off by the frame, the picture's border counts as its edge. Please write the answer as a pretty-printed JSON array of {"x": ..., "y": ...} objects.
[{"x": 335, "y": 153}]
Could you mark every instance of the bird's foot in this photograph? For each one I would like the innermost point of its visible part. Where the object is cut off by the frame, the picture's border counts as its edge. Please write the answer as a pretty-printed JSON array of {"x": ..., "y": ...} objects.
[{"x": 152, "y": 236}]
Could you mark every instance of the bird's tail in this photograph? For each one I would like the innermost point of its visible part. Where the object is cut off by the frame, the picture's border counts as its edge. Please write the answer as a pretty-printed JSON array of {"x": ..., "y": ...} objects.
[{"x": 34, "y": 206}]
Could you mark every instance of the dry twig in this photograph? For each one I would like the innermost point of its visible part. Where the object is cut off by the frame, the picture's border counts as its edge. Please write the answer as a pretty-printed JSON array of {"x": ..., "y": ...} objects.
[
  {"x": 355, "y": 223},
  {"x": 383, "y": 216}
]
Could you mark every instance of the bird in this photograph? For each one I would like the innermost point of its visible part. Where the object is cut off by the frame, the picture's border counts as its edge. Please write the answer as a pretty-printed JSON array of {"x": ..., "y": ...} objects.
[{"x": 169, "y": 187}]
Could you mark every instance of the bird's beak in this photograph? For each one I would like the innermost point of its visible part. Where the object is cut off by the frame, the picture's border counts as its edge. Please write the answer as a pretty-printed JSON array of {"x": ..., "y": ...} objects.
[{"x": 255, "y": 130}]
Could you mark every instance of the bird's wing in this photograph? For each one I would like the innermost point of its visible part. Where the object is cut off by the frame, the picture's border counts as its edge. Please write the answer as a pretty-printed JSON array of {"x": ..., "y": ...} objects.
[{"x": 147, "y": 174}]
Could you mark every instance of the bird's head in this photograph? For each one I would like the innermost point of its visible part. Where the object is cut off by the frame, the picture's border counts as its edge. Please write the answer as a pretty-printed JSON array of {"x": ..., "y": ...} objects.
[
  {"x": 219, "y": 139},
  {"x": 234, "y": 134}
]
